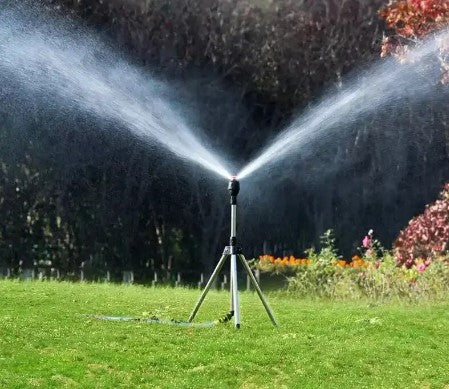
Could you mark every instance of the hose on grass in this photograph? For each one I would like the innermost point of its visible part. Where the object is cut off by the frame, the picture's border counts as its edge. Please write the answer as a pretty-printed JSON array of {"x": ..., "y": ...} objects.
[{"x": 154, "y": 319}]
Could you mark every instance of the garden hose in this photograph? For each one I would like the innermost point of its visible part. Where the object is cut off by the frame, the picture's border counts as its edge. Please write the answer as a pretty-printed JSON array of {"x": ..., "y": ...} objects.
[{"x": 154, "y": 319}]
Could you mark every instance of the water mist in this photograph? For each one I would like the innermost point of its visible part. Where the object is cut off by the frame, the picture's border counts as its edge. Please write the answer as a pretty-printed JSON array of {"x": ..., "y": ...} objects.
[
  {"x": 65, "y": 66},
  {"x": 381, "y": 85}
]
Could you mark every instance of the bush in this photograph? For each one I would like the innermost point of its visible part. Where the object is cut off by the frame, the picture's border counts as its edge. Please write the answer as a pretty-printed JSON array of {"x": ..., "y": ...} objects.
[
  {"x": 374, "y": 276},
  {"x": 427, "y": 236}
]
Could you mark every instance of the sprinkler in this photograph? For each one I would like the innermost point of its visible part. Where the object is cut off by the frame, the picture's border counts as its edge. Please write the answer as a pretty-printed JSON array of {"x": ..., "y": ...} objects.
[{"x": 232, "y": 252}]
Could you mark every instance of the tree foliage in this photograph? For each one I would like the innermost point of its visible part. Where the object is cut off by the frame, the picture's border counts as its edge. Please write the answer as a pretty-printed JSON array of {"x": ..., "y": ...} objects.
[
  {"x": 410, "y": 22},
  {"x": 284, "y": 50}
]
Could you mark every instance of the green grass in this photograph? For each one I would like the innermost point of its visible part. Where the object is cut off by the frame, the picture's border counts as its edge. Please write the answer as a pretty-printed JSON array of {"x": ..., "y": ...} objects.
[{"x": 45, "y": 341}]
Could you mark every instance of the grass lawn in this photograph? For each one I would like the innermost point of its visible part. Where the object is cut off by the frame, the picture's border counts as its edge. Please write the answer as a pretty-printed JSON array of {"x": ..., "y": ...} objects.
[{"x": 45, "y": 341}]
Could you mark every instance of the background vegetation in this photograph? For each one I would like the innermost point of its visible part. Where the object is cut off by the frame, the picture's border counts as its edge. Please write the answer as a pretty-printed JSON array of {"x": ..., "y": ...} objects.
[{"x": 71, "y": 197}]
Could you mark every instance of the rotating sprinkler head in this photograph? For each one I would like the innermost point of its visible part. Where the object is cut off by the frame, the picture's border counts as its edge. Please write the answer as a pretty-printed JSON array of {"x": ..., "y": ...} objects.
[{"x": 234, "y": 189}]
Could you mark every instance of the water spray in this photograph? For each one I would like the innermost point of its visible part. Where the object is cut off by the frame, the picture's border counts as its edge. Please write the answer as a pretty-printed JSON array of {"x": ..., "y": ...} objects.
[
  {"x": 363, "y": 95},
  {"x": 60, "y": 65},
  {"x": 233, "y": 252}
]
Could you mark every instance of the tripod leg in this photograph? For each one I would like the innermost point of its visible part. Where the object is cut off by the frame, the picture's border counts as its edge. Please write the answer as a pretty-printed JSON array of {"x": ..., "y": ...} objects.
[
  {"x": 208, "y": 285},
  {"x": 235, "y": 291},
  {"x": 231, "y": 302},
  {"x": 258, "y": 290}
]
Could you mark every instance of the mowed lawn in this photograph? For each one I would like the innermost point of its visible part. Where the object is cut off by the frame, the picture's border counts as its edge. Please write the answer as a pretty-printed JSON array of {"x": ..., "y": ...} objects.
[{"x": 47, "y": 341}]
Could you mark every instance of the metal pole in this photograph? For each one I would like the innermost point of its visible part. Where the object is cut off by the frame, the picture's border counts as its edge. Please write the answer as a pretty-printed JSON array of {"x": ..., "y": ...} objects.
[
  {"x": 258, "y": 290},
  {"x": 235, "y": 291},
  {"x": 233, "y": 220},
  {"x": 234, "y": 188},
  {"x": 209, "y": 284}
]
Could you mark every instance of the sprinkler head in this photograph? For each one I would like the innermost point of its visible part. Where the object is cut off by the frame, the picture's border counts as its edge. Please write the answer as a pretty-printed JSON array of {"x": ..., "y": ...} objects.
[{"x": 234, "y": 187}]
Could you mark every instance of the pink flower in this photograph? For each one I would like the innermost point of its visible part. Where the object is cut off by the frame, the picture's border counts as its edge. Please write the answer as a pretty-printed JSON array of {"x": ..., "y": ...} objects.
[
  {"x": 421, "y": 267},
  {"x": 366, "y": 241}
]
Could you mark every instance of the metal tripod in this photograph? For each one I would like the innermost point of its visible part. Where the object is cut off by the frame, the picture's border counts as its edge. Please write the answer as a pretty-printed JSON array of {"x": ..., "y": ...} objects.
[{"x": 233, "y": 252}]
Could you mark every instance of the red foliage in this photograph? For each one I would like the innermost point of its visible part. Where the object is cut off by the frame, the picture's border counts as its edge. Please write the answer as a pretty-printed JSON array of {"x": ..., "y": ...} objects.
[
  {"x": 427, "y": 235},
  {"x": 410, "y": 21},
  {"x": 416, "y": 18}
]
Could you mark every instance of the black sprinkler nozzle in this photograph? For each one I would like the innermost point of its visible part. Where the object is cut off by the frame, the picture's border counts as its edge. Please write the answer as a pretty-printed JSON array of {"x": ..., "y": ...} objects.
[{"x": 234, "y": 187}]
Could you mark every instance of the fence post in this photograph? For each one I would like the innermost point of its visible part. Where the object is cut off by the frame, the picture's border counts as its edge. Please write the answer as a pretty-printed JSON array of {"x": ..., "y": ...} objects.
[
  {"x": 257, "y": 276},
  {"x": 128, "y": 277},
  {"x": 178, "y": 280},
  {"x": 225, "y": 282},
  {"x": 5, "y": 272},
  {"x": 54, "y": 274},
  {"x": 27, "y": 274},
  {"x": 265, "y": 248},
  {"x": 154, "y": 282},
  {"x": 201, "y": 281},
  {"x": 82, "y": 272}
]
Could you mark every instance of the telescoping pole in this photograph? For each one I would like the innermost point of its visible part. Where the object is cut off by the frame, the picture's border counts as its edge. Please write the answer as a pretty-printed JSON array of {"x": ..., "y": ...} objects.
[{"x": 234, "y": 188}]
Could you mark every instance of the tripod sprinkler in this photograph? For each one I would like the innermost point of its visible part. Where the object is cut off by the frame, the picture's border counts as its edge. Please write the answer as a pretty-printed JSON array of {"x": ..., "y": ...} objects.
[{"x": 233, "y": 252}]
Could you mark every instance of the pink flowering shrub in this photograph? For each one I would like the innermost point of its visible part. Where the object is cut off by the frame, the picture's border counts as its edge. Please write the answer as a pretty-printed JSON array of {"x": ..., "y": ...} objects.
[
  {"x": 374, "y": 274},
  {"x": 426, "y": 236}
]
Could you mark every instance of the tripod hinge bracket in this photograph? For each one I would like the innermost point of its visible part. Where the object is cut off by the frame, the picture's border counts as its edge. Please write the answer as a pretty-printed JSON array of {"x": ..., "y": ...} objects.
[{"x": 232, "y": 250}]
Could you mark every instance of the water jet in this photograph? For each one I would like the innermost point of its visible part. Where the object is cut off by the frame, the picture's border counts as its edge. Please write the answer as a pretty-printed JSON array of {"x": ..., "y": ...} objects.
[
  {"x": 381, "y": 84},
  {"x": 65, "y": 66}
]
